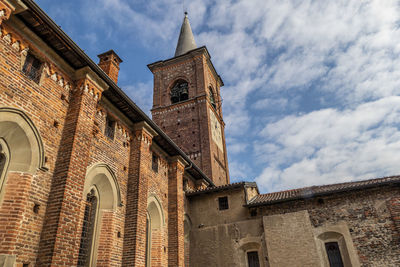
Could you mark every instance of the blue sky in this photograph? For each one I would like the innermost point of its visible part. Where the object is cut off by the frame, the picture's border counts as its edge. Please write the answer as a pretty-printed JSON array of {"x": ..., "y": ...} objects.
[{"x": 311, "y": 91}]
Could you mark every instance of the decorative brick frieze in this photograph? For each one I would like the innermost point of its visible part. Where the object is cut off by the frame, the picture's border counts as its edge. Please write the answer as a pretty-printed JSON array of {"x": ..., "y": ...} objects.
[
  {"x": 13, "y": 39},
  {"x": 5, "y": 11}
]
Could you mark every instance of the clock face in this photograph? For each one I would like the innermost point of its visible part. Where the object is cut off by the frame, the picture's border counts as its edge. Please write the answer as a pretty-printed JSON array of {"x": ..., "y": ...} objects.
[{"x": 216, "y": 131}]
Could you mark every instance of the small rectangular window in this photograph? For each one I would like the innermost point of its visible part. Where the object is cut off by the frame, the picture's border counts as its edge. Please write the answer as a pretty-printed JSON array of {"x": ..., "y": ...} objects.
[
  {"x": 109, "y": 130},
  {"x": 334, "y": 256},
  {"x": 252, "y": 259},
  {"x": 32, "y": 68},
  {"x": 154, "y": 163},
  {"x": 223, "y": 203}
]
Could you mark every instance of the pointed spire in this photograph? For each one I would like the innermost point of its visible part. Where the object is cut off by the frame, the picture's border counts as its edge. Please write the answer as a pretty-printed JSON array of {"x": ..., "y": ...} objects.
[{"x": 186, "y": 39}]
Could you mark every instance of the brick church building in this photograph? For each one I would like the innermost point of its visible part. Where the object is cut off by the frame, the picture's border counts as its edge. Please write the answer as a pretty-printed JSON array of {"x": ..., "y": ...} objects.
[{"x": 88, "y": 179}]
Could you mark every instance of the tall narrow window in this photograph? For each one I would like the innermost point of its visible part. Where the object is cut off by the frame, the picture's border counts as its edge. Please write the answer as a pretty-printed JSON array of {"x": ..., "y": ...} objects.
[
  {"x": 154, "y": 163},
  {"x": 212, "y": 98},
  {"x": 252, "y": 259},
  {"x": 223, "y": 203},
  {"x": 4, "y": 156},
  {"x": 32, "y": 68},
  {"x": 2, "y": 164},
  {"x": 334, "y": 256},
  {"x": 110, "y": 129},
  {"x": 180, "y": 92},
  {"x": 148, "y": 239},
  {"x": 87, "y": 235}
]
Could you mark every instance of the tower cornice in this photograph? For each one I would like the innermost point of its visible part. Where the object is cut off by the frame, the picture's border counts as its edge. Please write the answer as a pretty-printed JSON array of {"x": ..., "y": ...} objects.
[{"x": 156, "y": 66}]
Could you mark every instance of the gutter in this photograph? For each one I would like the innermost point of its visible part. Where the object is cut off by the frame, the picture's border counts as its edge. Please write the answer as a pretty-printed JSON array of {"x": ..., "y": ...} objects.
[{"x": 33, "y": 6}]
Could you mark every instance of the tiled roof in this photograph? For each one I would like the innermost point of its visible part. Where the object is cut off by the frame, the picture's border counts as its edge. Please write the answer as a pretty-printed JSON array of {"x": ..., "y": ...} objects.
[
  {"x": 315, "y": 191},
  {"x": 221, "y": 188}
]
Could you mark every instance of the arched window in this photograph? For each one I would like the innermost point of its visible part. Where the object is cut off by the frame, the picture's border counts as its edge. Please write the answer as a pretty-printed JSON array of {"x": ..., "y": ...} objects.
[
  {"x": 100, "y": 194},
  {"x": 336, "y": 246},
  {"x": 88, "y": 228},
  {"x": 212, "y": 98},
  {"x": 4, "y": 159},
  {"x": 180, "y": 91}
]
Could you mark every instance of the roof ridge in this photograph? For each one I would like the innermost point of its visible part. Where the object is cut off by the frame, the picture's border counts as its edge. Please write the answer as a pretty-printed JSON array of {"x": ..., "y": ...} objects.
[{"x": 333, "y": 184}]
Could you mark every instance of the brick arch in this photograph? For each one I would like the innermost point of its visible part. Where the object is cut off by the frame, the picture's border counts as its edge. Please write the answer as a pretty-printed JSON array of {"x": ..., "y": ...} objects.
[
  {"x": 155, "y": 212},
  {"x": 100, "y": 182},
  {"x": 176, "y": 79},
  {"x": 103, "y": 178},
  {"x": 154, "y": 233},
  {"x": 23, "y": 140}
]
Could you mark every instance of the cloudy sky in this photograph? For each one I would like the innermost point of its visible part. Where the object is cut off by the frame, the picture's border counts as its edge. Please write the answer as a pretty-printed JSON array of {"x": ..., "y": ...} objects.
[{"x": 312, "y": 88}]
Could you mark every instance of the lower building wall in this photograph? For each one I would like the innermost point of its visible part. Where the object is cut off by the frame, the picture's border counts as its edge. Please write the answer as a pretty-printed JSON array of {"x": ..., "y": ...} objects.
[
  {"x": 290, "y": 240},
  {"x": 362, "y": 223},
  {"x": 227, "y": 244}
]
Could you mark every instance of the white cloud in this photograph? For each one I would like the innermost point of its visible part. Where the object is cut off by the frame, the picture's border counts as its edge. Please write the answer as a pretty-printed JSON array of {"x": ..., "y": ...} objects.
[
  {"x": 271, "y": 103},
  {"x": 326, "y": 72},
  {"x": 141, "y": 94},
  {"x": 330, "y": 145}
]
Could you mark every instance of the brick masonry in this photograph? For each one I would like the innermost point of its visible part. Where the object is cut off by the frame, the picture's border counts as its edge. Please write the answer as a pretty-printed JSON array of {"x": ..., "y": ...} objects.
[
  {"x": 188, "y": 123},
  {"x": 41, "y": 212},
  {"x": 70, "y": 115}
]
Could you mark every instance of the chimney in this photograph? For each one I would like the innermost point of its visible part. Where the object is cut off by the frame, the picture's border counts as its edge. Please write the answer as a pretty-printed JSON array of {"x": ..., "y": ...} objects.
[{"x": 109, "y": 63}]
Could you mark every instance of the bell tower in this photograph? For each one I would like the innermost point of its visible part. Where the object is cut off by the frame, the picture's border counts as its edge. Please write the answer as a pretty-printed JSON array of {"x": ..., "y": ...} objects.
[{"x": 187, "y": 105}]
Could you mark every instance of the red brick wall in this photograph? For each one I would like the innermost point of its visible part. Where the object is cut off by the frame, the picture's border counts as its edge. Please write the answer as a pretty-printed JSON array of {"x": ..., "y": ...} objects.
[
  {"x": 71, "y": 122},
  {"x": 43, "y": 105}
]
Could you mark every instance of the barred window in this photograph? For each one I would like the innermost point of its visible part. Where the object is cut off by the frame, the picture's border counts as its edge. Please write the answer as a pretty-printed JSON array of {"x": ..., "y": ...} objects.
[
  {"x": 110, "y": 128},
  {"x": 223, "y": 203},
  {"x": 180, "y": 92},
  {"x": 32, "y": 68},
  {"x": 88, "y": 229},
  {"x": 252, "y": 259},
  {"x": 334, "y": 256}
]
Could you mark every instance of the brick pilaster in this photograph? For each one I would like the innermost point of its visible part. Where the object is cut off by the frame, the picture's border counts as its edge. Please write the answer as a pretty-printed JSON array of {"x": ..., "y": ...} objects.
[
  {"x": 134, "y": 252},
  {"x": 176, "y": 241},
  {"x": 63, "y": 220}
]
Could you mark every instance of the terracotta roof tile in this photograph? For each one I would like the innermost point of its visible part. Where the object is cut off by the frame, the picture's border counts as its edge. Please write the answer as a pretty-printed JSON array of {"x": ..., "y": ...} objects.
[{"x": 314, "y": 191}]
